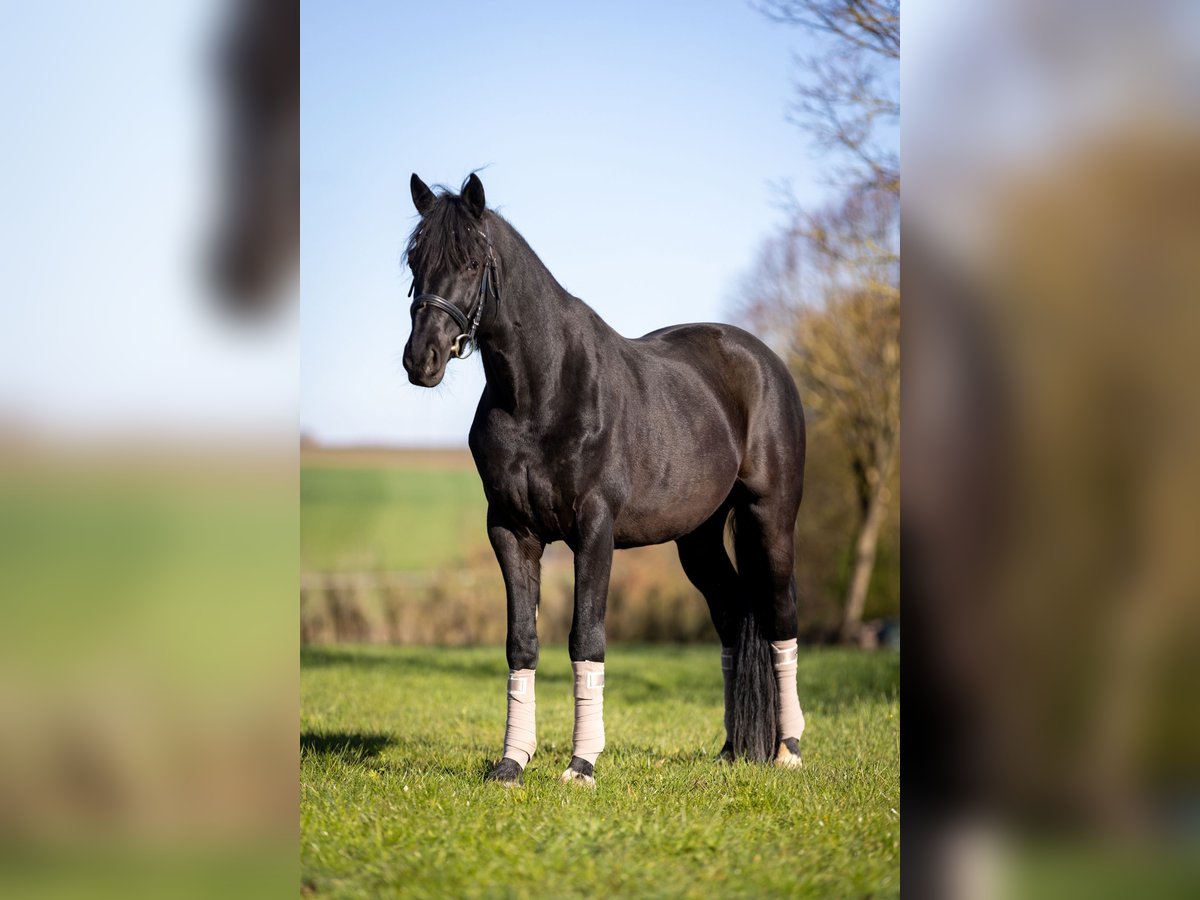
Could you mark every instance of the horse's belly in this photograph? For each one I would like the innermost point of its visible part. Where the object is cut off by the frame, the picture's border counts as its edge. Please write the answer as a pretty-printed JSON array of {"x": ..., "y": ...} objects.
[{"x": 672, "y": 508}]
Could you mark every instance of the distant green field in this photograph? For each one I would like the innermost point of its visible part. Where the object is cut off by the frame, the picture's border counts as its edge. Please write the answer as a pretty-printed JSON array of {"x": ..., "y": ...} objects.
[
  {"x": 395, "y": 741},
  {"x": 398, "y": 519}
]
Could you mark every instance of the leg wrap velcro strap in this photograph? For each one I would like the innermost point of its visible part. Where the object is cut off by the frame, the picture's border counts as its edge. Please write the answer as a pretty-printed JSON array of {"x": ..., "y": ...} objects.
[
  {"x": 783, "y": 658},
  {"x": 520, "y": 735},
  {"x": 727, "y": 673},
  {"x": 589, "y": 710}
]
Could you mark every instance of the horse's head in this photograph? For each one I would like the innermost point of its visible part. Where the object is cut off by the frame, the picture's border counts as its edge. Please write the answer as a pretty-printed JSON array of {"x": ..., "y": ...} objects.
[{"x": 453, "y": 274}]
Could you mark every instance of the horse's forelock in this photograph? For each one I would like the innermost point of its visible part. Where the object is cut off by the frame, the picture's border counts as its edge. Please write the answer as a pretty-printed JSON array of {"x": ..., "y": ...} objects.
[{"x": 446, "y": 238}]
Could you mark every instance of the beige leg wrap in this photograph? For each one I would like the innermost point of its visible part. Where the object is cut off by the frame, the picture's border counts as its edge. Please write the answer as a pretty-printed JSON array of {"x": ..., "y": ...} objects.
[
  {"x": 791, "y": 719},
  {"x": 520, "y": 736},
  {"x": 727, "y": 674},
  {"x": 589, "y": 710}
]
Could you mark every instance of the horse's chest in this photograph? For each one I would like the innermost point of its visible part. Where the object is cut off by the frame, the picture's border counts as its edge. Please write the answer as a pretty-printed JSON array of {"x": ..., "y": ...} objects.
[{"x": 526, "y": 484}]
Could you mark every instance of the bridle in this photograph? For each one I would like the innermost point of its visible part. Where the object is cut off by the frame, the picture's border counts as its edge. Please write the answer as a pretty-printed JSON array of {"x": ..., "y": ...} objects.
[{"x": 489, "y": 282}]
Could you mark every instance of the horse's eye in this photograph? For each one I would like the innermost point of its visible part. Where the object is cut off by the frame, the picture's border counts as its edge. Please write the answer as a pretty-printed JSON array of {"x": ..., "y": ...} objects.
[{"x": 472, "y": 265}]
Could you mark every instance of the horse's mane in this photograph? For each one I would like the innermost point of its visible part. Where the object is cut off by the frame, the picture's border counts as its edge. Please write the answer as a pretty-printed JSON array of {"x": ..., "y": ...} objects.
[{"x": 446, "y": 238}]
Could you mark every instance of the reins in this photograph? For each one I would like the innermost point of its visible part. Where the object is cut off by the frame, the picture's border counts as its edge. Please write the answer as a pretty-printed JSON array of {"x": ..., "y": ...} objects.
[{"x": 489, "y": 281}]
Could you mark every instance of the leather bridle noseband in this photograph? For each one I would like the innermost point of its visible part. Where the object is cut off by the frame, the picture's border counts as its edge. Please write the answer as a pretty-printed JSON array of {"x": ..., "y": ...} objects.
[{"x": 489, "y": 282}]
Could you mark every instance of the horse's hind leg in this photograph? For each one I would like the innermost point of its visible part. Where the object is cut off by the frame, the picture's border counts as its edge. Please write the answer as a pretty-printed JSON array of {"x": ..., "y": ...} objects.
[
  {"x": 707, "y": 566},
  {"x": 764, "y": 543}
]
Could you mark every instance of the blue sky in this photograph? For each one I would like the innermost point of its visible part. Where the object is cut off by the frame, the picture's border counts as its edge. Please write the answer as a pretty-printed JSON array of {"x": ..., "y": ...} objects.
[{"x": 635, "y": 146}]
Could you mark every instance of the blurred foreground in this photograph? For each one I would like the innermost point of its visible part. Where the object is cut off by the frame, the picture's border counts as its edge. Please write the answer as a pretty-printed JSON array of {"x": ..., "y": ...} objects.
[
  {"x": 147, "y": 664},
  {"x": 1051, "y": 438},
  {"x": 148, "y": 520}
]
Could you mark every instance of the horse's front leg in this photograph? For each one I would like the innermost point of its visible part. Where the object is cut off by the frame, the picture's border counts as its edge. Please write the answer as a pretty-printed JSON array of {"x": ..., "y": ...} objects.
[
  {"x": 593, "y": 546},
  {"x": 520, "y": 557}
]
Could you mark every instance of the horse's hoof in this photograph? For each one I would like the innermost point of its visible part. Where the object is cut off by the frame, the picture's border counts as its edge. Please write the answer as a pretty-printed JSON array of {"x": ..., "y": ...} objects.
[
  {"x": 726, "y": 754},
  {"x": 507, "y": 772},
  {"x": 580, "y": 771},
  {"x": 788, "y": 756}
]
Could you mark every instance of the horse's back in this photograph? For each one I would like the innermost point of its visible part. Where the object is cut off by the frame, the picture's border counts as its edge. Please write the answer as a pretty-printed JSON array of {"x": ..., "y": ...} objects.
[
  {"x": 708, "y": 344},
  {"x": 737, "y": 361},
  {"x": 754, "y": 389}
]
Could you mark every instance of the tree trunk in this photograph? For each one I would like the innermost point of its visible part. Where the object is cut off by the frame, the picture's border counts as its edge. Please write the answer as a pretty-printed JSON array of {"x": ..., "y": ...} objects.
[{"x": 865, "y": 547}]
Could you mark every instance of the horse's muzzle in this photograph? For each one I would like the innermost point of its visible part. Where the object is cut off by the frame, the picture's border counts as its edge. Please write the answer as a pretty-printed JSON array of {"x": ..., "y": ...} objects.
[{"x": 427, "y": 370}]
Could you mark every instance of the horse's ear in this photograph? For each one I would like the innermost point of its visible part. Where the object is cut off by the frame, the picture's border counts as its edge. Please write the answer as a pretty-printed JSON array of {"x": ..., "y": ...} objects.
[
  {"x": 422, "y": 196},
  {"x": 472, "y": 193}
]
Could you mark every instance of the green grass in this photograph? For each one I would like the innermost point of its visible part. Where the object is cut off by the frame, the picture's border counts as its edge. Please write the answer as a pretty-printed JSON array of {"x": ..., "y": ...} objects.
[
  {"x": 395, "y": 741},
  {"x": 390, "y": 518}
]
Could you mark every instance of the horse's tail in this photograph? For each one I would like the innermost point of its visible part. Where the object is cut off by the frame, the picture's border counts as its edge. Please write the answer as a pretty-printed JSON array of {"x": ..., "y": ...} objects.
[{"x": 754, "y": 724}]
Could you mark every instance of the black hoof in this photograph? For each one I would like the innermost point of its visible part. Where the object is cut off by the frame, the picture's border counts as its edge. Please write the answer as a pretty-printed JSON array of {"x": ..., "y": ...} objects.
[
  {"x": 580, "y": 771},
  {"x": 507, "y": 772},
  {"x": 726, "y": 754}
]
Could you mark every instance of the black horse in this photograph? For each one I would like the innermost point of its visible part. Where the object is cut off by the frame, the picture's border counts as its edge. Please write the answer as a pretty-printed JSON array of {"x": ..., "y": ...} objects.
[{"x": 606, "y": 442}]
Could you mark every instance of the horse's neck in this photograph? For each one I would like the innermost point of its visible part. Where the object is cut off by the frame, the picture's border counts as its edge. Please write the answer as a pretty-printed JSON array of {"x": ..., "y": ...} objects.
[{"x": 537, "y": 325}]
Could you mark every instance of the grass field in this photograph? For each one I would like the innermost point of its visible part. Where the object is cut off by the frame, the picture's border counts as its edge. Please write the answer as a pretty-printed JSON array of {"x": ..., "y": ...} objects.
[{"x": 395, "y": 741}]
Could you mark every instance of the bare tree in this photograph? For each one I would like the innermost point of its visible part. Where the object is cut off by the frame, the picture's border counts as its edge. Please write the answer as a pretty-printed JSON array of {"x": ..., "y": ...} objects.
[
  {"x": 828, "y": 287},
  {"x": 848, "y": 94}
]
